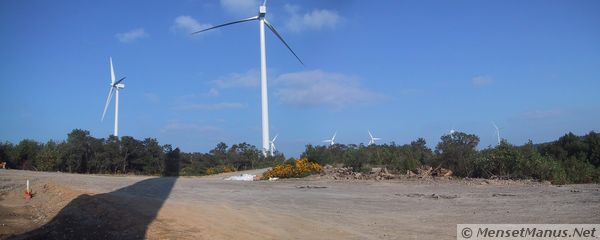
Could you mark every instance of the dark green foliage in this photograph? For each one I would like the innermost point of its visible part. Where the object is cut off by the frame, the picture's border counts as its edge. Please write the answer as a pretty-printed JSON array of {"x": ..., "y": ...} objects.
[
  {"x": 571, "y": 159},
  {"x": 82, "y": 153},
  {"x": 48, "y": 159},
  {"x": 25, "y": 153},
  {"x": 499, "y": 161},
  {"x": 457, "y": 151},
  {"x": 6, "y": 152},
  {"x": 592, "y": 140},
  {"x": 172, "y": 159}
]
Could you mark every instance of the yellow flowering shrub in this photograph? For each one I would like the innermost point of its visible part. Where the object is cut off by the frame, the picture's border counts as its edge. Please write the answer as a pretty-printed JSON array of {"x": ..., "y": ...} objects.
[
  {"x": 299, "y": 168},
  {"x": 220, "y": 169}
]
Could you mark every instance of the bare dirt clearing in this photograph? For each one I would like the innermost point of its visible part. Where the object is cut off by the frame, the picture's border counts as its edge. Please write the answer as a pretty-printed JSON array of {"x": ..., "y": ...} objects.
[{"x": 73, "y": 206}]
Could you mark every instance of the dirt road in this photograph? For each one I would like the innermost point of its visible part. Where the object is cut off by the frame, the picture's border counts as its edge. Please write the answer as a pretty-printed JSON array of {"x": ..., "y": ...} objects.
[{"x": 73, "y": 206}]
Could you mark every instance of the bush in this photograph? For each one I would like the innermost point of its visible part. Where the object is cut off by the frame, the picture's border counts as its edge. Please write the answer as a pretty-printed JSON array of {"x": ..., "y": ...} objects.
[
  {"x": 293, "y": 169},
  {"x": 402, "y": 162},
  {"x": 220, "y": 169},
  {"x": 457, "y": 151},
  {"x": 579, "y": 170}
]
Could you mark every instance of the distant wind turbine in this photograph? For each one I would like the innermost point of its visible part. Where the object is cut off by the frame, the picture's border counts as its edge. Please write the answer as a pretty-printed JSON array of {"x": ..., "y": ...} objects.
[
  {"x": 272, "y": 145},
  {"x": 452, "y": 130},
  {"x": 114, "y": 87},
  {"x": 262, "y": 11},
  {"x": 372, "y": 139},
  {"x": 497, "y": 131},
  {"x": 332, "y": 140}
]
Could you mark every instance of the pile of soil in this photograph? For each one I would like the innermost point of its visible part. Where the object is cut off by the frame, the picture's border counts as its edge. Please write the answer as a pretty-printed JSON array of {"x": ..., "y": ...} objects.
[
  {"x": 346, "y": 173},
  {"x": 56, "y": 212},
  {"x": 19, "y": 215}
]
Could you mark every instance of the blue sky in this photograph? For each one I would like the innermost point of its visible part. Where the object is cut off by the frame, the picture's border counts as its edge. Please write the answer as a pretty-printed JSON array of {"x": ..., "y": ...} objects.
[{"x": 403, "y": 69}]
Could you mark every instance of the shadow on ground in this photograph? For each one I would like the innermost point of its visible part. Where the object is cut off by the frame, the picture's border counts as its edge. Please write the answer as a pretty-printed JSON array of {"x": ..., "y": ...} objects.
[{"x": 122, "y": 214}]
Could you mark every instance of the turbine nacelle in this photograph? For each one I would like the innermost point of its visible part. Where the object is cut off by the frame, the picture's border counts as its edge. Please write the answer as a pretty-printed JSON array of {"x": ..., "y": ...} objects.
[
  {"x": 262, "y": 11},
  {"x": 119, "y": 86}
]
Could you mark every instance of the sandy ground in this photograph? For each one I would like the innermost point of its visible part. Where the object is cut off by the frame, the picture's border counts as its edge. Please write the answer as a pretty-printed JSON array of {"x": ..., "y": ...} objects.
[{"x": 73, "y": 206}]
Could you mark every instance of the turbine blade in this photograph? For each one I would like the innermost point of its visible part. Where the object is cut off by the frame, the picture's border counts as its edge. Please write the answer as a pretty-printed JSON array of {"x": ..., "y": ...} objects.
[
  {"x": 226, "y": 24},
  {"x": 275, "y": 138},
  {"x": 112, "y": 72},
  {"x": 370, "y": 135},
  {"x": 110, "y": 93},
  {"x": 120, "y": 80},
  {"x": 283, "y": 41}
]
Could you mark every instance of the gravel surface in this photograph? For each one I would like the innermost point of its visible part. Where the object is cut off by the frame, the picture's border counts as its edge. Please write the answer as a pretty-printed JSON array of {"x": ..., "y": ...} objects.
[{"x": 136, "y": 207}]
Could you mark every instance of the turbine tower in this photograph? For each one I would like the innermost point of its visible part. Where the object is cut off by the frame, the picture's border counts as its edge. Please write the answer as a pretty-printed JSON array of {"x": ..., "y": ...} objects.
[
  {"x": 272, "y": 145},
  {"x": 114, "y": 88},
  {"x": 332, "y": 140},
  {"x": 497, "y": 132},
  {"x": 371, "y": 138},
  {"x": 262, "y": 11}
]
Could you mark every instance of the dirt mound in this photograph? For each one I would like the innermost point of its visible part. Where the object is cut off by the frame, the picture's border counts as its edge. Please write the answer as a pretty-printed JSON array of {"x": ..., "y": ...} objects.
[
  {"x": 346, "y": 173},
  {"x": 57, "y": 212},
  {"x": 18, "y": 215},
  {"x": 428, "y": 171}
]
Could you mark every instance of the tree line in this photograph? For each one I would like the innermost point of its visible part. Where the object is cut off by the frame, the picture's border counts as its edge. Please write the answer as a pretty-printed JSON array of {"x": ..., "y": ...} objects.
[
  {"x": 570, "y": 159},
  {"x": 82, "y": 153}
]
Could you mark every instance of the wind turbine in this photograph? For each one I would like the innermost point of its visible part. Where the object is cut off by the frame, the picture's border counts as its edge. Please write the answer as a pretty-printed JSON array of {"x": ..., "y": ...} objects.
[
  {"x": 497, "y": 131},
  {"x": 114, "y": 87},
  {"x": 332, "y": 140},
  {"x": 272, "y": 145},
  {"x": 262, "y": 11},
  {"x": 372, "y": 139},
  {"x": 452, "y": 130}
]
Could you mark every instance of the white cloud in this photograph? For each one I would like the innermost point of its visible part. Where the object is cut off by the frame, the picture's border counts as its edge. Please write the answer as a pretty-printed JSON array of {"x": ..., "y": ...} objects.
[
  {"x": 213, "y": 92},
  {"x": 483, "y": 80},
  {"x": 315, "y": 20},
  {"x": 319, "y": 88},
  {"x": 188, "y": 127},
  {"x": 251, "y": 78},
  {"x": 187, "y": 24},
  {"x": 131, "y": 36},
  {"x": 211, "y": 106},
  {"x": 241, "y": 7}
]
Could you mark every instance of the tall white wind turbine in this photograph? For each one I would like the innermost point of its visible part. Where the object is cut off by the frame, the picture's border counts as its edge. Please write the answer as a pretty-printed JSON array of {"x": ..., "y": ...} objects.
[
  {"x": 332, "y": 140},
  {"x": 272, "y": 145},
  {"x": 262, "y": 11},
  {"x": 497, "y": 131},
  {"x": 114, "y": 88},
  {"x": 371, "y": 138}
]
